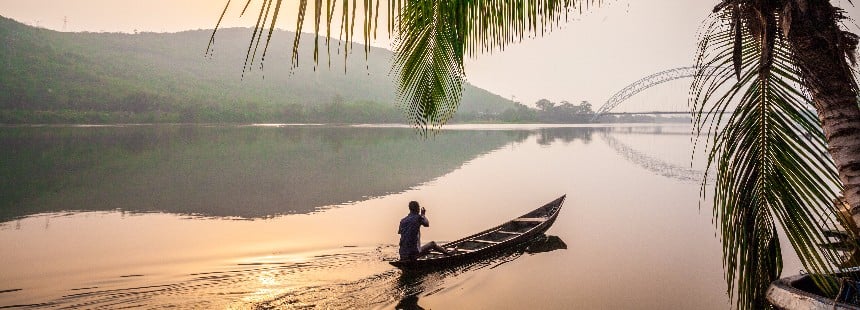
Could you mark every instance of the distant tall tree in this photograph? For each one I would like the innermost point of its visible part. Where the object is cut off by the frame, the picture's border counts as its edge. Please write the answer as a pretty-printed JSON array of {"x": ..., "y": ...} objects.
[
  {"x": 545, "y": 105},
  {"x": 586, "y": 107},
  {"x": 519, "y": 114}
]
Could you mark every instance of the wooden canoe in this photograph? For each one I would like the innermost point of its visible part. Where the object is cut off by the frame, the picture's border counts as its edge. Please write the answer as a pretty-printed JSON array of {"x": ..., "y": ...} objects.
[{"x": 492, "y": 240}]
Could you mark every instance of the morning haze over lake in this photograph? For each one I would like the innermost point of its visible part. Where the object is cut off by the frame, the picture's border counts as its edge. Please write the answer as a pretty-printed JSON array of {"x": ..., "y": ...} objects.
[
  {"x": 293, "y": 216},
  {"x": 139, "y": 169}
]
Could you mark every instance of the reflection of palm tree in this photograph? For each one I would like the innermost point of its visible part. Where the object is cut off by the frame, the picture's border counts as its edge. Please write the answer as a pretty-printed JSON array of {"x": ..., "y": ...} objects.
[{"x": 777, "y": 48}]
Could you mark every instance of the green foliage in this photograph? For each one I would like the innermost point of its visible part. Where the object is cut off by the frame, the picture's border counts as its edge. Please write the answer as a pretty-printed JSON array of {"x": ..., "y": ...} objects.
[
  {"x": 432, "y": 38},
  {"x": 770, "y": 154},
  {"x": 47, "y": 76},
  {"x": 428, "y": 62},
  {"x": 520, "y": 114},
  {"x": 565, "y": 112}
]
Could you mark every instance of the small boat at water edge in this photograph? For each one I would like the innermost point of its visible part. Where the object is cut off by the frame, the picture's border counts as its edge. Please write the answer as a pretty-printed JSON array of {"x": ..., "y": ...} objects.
[
  {"x": 493, "y": 240},
  {"x": 800, "y": 292}
]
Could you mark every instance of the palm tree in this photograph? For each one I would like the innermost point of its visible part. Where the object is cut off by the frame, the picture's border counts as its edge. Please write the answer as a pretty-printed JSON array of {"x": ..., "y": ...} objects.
[
  {"x": 777, "y": 58},
  {"x": 766, "y": 168}
]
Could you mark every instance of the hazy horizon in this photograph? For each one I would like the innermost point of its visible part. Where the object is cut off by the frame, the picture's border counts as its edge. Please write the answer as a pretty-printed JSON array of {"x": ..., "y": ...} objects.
[{"x": 589, "y": 58}]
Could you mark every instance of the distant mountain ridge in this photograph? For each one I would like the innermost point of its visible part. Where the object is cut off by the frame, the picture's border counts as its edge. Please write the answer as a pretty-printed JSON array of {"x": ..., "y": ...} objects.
[{"x": 165, "y": 76}]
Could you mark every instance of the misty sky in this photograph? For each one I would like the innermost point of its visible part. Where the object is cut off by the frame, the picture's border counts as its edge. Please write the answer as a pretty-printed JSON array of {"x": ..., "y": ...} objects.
[{"x": 590, "y": 58}]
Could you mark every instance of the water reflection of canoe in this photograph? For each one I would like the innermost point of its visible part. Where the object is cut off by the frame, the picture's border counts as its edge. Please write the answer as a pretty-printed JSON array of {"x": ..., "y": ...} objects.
[{"x": 493, "y": 240}]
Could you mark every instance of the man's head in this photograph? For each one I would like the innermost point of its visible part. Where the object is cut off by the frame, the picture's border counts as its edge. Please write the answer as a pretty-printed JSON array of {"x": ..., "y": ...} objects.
[{"x": 414, "y": 207}]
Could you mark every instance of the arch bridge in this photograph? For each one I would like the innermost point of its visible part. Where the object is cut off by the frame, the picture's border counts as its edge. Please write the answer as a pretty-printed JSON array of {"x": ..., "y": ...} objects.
[{"x": 648, "y": 82}]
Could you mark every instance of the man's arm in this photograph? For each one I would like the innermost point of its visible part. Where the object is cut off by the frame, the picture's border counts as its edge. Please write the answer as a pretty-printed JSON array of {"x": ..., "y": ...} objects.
[{"x": 424, "y": 220}]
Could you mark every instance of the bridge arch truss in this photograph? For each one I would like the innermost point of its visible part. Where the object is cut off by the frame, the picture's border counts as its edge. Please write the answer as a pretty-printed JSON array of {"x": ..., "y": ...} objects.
[{"x": 648, "y": 82}]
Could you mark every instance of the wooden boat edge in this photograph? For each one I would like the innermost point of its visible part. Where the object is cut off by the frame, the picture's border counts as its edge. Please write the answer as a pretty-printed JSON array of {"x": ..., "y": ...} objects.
[
  {"x": 528, "y": 235},
  {"x": 784, "y": 294}
]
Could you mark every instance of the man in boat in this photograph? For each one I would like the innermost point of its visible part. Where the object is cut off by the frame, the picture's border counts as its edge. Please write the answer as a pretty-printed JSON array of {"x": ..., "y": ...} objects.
[{"x": 410, "y": 234}]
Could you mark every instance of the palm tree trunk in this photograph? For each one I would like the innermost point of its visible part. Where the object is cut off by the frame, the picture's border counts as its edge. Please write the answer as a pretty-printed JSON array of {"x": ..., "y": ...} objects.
[{"x": 819, "y": 47}]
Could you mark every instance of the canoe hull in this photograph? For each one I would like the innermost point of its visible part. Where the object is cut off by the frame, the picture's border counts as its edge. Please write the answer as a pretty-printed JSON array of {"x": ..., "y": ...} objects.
[
  {"x": 509, "y": 234},
  {"x": 799, "y": 292}
]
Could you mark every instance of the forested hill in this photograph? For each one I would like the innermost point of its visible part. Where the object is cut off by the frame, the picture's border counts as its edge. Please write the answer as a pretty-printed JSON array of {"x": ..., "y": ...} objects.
[{"x": 50, "y": 76}]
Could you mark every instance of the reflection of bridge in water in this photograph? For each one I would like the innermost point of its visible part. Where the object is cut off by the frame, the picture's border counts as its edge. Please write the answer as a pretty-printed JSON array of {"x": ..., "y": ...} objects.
[
  {"x": 651, "y": 163},
  {"x": 645, "y": 83},
  {"x": 638, "y": 157}
]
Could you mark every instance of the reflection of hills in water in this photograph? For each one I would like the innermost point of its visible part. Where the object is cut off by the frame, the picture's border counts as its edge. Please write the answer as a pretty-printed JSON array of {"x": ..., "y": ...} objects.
[
  {"x": 247, "y": 172},
  {"x": 252, "y": 172}
]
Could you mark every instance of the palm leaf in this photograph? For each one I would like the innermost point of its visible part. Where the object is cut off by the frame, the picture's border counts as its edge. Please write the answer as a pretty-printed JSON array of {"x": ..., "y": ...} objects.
[
  {"x": 428, "y": 62},
  {"x": 432, "y": 38},
  {"x": 769, "y": 154}
]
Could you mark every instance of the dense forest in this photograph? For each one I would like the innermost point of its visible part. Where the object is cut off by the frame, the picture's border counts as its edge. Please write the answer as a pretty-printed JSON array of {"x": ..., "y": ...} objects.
[
  {"x": 63, "y": 77},
  {"x": 565, "y": 112},
  {"x": 57, "y": 77}
]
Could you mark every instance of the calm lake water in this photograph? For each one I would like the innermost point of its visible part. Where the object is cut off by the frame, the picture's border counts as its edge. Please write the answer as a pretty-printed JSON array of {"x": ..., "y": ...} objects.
[{"x": 306, "y": 216}]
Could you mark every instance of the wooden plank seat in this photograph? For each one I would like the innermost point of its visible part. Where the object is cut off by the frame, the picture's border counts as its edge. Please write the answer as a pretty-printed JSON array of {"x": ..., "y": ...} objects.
[
  {"x": 530, "y": 219},
  {"x": 452, "y": 249},
  {"x": 485, "y": 241}
]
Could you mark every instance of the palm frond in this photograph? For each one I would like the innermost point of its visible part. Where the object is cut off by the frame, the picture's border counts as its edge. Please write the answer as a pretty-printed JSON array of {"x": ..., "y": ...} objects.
[
  {"x": 430, "y": 85},
  {"x": 428, "y": 63},
  {"x": 770, "y": 154},
  {"x": 492, "y": 25},
  {"x": 434, "y": 36}
]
